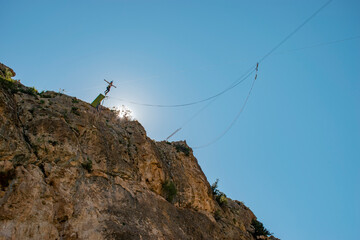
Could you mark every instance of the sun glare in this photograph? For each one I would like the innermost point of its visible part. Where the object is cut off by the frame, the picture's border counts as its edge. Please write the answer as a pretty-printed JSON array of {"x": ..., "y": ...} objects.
[{"x": 125, "y": 112}]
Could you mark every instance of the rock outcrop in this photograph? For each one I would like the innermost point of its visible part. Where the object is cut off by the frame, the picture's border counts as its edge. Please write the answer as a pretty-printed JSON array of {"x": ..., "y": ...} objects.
[
  {"x": 6, "y": 72},
  {"x": 68, "y": 171}
]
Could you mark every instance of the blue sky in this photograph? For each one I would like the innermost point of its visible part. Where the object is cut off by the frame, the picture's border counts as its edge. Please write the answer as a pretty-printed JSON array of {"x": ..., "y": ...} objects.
[{"x": 293, "y": 155}]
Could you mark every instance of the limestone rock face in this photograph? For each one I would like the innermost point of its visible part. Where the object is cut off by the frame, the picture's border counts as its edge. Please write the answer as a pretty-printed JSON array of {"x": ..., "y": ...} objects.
[{"x": 68, "y": 171}]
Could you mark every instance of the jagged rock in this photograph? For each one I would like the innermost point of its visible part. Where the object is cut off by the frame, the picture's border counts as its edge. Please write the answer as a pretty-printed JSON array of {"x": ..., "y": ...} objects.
[{"x": 68, "y": 171}]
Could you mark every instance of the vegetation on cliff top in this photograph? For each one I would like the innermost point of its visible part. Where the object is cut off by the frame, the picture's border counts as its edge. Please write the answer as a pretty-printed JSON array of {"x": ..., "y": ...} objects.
[
  {"x": 260, "y": 230},
  {"x": 15, "y": 87},
  {"x": 220, "y": 197}
]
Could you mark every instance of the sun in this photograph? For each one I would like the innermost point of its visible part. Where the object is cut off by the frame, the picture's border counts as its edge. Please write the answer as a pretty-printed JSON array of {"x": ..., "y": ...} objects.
[{"x": 125, "y": 112}]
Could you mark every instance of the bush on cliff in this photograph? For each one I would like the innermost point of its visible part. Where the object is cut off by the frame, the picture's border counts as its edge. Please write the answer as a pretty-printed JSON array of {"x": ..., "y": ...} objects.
[
  {"x": 220, "y": 197},
  {"x": 183, "y": 148},
  {"x": 260, "y": 230},
  {"x": 15, "y": 87},
  {"x": 87, "y": 165},
  {"x": 169, "y": 190}
]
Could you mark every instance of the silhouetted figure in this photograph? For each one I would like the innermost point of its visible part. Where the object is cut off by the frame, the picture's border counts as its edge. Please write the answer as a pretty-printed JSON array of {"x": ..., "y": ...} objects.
[{"x": 109, "y": 86}]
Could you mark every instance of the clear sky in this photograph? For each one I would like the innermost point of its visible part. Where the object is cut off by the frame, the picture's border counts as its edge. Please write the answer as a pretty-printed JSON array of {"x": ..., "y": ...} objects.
[{"x": 293, "y": 155}]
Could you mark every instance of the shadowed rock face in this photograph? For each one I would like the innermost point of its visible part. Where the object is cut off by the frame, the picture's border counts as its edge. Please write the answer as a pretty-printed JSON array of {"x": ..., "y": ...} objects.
[{"x": 70, "y": 172}]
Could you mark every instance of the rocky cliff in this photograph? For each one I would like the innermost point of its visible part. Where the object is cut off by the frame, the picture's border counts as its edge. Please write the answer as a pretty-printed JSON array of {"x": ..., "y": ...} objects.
[{"x": 68, "y": 171}]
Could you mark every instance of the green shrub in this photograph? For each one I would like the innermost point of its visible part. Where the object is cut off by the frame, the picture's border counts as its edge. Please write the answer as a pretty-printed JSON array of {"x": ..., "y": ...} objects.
[
  {"x": 42, "y": 101},
  {"x": 9, "y": 73},
  {"x": 31, "y": 91},
  {"x": 7, "y": 79},
  {"x": 10, "y": 84},
  {"x": 169, "y": 190},
  {"x": 87, "y": 165},
  {"x": 220, "y": 197},
  {"x": 183, "y": 148},
  {"x": 260, "y": 230},
  {"x": 74, "y": 100}
]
